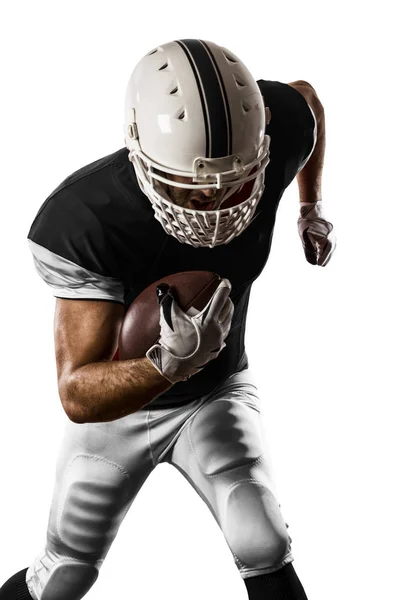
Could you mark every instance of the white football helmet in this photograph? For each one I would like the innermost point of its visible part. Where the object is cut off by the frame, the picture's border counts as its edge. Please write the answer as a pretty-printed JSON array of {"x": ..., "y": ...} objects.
[{"x": 194, "y": 110}]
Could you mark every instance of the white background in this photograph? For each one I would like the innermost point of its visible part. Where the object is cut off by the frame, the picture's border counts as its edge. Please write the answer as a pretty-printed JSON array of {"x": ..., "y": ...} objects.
[{"x": 323, "y": 343}]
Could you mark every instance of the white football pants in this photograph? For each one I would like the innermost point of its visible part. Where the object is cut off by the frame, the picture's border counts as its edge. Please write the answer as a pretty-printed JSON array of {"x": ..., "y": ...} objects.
[{"x": 216, "y": 442}]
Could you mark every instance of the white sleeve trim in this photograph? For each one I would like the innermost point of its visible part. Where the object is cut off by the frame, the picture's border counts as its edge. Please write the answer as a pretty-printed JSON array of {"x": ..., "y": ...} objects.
[{"x": 72, "y": 281}]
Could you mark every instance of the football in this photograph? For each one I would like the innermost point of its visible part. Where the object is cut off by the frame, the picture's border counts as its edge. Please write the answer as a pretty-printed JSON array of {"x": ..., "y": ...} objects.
[{"x": 141, "y": 326}]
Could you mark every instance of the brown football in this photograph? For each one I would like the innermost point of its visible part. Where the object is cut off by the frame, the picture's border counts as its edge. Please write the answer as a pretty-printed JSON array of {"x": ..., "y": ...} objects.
[{"x": 141, "y": 326}]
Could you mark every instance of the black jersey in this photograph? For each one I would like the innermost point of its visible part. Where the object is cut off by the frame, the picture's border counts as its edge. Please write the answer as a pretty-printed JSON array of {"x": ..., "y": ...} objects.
[{"x": 95, "y": 237}]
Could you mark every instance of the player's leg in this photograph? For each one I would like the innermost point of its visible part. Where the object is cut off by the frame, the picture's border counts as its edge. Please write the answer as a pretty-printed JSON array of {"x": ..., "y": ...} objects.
[
  {"x": 223, "y": 455},
  {"x": 100, "y": 469}
]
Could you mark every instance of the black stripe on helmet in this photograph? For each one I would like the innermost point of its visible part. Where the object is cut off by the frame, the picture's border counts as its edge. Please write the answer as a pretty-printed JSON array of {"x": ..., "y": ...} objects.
[
  {"x": 202, "y": 96},
  {"x": 225, "y": 95},
  {"x": 214, "y": 96}
]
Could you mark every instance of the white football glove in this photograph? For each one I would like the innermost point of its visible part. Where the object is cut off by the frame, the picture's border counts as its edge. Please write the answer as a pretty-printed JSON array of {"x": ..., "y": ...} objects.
[
  {"x": 189, "y": 340},
  {"x": 316, "y": 233}
]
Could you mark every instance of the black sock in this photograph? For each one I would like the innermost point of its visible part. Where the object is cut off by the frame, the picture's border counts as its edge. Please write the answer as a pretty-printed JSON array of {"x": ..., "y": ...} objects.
[
  {"x": 15, "y": 588},
  {"x": 280, "y": 585}
]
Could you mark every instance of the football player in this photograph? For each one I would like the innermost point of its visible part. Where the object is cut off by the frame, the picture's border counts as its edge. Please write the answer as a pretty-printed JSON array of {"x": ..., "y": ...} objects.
[{"x": 208, "y": 154}]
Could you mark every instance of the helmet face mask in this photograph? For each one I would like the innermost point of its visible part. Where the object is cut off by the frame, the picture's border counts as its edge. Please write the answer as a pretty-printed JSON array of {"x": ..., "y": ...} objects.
[{"x": 186, "y": 175}]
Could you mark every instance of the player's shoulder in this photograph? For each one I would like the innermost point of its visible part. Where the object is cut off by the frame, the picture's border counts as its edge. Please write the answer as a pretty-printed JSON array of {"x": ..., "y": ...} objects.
[
  {"x": 77, "y": 220},
  {"x": 71, "y": 237},
  {"x": 93, "y": 224},
  {"x": 85, "y": 182},
  {"x": 96, "y": 194},
  {"x": 289, "y": 109}
]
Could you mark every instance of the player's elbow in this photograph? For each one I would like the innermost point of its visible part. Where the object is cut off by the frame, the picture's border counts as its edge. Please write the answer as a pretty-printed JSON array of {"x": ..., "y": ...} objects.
[
  {"x": 70, "y": 399},
  {"x": 75, "y": 415}
]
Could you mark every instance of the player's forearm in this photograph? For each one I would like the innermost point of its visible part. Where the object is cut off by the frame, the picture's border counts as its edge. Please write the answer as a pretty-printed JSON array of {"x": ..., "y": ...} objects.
[
  {"x": 107, "y": 391},
  {"x": 310, "y": 177}
]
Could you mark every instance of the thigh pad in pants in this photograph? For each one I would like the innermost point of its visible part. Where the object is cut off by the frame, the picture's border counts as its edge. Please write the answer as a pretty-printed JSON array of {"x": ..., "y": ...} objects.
[
  {"x": 226, "y": 439},
  {"x": 88, "y": 507}
]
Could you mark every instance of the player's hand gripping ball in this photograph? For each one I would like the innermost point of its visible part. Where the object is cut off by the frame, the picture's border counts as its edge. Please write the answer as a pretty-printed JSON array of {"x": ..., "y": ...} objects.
[
  {"x": 179, "y": 322},
  {"x": 316, "y": 233}
]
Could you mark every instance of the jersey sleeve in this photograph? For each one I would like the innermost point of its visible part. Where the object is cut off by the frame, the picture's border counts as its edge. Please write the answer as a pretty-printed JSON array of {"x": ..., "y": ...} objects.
[
  {"x": 73, "y": 252},
  {"x": 293, "y": 126}
]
